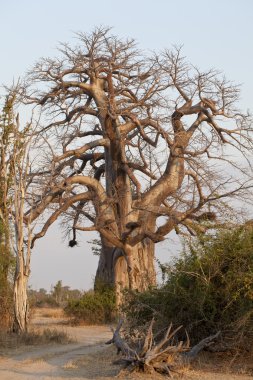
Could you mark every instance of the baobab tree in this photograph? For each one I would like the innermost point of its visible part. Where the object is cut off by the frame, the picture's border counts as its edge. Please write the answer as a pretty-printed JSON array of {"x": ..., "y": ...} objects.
[{"x": 138, "y": 146}]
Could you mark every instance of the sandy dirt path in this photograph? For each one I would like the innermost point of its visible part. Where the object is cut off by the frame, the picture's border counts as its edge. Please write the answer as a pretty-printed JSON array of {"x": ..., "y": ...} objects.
[
  {"x": 55, "y": 361},
  {"x": 87, "y": 358}
]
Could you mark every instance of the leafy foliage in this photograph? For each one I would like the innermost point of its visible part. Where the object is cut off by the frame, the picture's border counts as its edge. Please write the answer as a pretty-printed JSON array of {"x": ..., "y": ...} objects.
[
  {"x": 94, "y": 307},
  {"x": 208, "y": 288},
  {"x": 6, "y": 291}
]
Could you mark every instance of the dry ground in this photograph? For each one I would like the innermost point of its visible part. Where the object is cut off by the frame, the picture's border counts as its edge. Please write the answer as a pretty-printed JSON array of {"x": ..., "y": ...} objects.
[{"x": 89, "y": 358}]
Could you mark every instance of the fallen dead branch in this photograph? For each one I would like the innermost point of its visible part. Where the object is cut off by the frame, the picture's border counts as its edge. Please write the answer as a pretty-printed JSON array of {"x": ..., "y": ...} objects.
[{"x": 164, "y": 356}]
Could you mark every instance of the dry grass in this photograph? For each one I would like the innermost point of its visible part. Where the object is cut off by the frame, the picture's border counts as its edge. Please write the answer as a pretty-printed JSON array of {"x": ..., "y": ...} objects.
[
  {"x": 206, "y": 368},
  {"x": 33, "y": 338},
  {"x": 235, "y": 361},
  {"x": 48, "y": 312},
  {"x": 104, "y": 364},
  {"x": 209, "y": 366}
]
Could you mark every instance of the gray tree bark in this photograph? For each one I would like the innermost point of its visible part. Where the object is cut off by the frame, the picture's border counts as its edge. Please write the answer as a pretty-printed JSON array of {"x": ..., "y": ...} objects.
[
  {"x": 135, "y": 271},
  {"x": 21, "y": 309}
]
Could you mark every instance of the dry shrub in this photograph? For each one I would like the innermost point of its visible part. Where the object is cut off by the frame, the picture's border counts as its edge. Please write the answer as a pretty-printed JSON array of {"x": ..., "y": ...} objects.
[{"x": 46, "y": 336}]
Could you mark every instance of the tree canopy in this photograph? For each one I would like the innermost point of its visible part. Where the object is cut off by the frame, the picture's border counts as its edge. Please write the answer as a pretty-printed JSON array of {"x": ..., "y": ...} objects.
[{"x": 136, "y": 145}]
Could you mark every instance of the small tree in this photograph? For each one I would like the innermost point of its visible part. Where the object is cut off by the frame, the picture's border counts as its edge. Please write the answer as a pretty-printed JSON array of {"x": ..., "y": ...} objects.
[
  {"x": 6, "y": 181},
  {"x": 17, "y": 232},
  {"x": 58, "y": 292},
  {"x": 23, "y": 231}
]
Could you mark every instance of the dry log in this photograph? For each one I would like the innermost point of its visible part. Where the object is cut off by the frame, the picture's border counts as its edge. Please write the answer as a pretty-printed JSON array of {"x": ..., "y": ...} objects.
[
  {"x": 195, "y": 350},
  {"x": 120, "y": 344},
  {"x": 163, "y": 356}
]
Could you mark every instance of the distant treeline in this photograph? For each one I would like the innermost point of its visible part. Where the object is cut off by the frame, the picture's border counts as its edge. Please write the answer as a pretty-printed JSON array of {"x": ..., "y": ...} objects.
[{"x": 58, "y": 296}]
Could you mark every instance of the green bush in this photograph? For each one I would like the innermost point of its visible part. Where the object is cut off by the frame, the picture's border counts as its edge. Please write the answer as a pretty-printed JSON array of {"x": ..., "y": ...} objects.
[
  {"x": 6, "y": 304},
  {"x": 94, "y": 307},
  {"x": 208, "y": 288},
  {"x": 7, "y": 265}
]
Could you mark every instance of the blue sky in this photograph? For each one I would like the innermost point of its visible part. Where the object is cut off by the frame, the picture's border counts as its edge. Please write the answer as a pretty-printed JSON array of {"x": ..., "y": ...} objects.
[{"x": 215, "y": 34}]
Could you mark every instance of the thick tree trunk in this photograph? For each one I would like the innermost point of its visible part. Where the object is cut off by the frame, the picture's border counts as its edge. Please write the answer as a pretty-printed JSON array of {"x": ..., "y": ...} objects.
[
  {"x": 134, "y": 269},
  {"x": 105, "y": 275},
  {"x": 20, "y": 303},
  {"x": 130, "y": 266}
]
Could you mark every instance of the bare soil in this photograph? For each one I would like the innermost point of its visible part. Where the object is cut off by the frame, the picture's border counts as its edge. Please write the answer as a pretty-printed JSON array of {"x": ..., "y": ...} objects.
[{"x": 89, "y": 358}]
